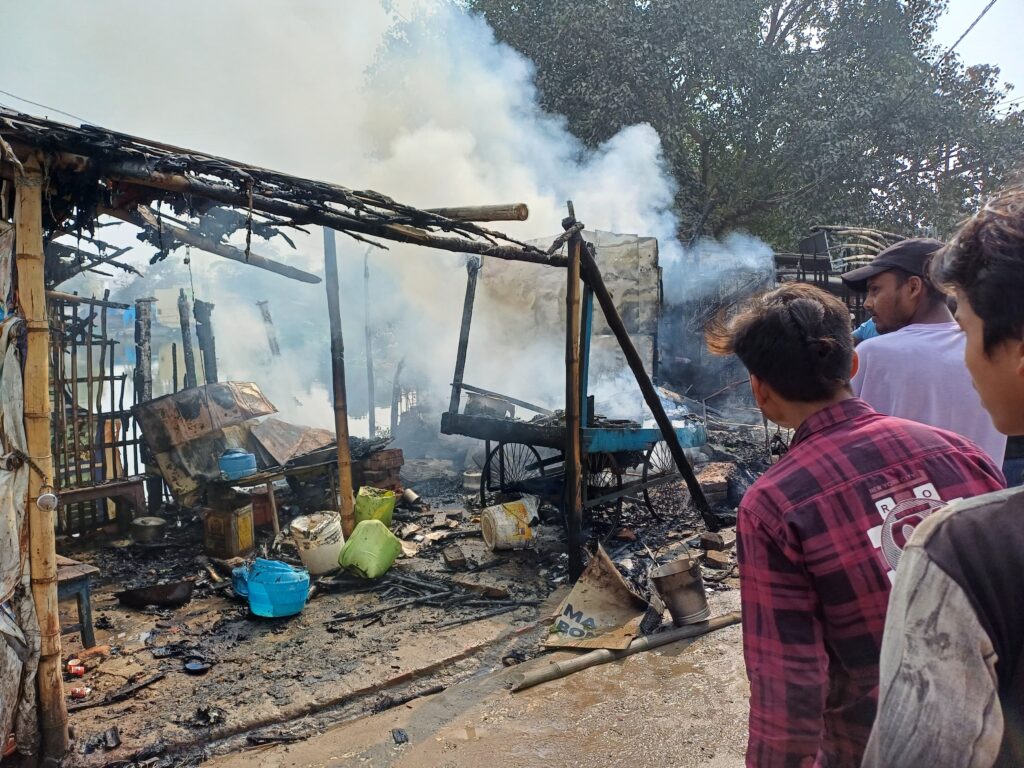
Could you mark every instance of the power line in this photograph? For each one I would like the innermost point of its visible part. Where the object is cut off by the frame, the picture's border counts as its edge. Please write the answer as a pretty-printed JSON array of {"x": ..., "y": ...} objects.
[{"x": 44, "y": 106}]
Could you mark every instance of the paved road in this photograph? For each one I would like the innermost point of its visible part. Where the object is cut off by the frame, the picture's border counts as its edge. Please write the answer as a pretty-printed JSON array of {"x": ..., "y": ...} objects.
[{"x": 679, "y": 706}]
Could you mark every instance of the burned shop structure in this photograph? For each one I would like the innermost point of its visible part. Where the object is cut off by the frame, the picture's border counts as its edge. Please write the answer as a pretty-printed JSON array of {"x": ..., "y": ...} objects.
[{"x": 187, "y": 571}]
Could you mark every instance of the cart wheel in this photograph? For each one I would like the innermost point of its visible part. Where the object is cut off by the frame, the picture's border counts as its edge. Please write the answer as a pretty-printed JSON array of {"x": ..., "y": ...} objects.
[
  {"x": 600, "y": 477},
  {"x": 508, "y": 464},
  {"x": 658, "y": 463}
]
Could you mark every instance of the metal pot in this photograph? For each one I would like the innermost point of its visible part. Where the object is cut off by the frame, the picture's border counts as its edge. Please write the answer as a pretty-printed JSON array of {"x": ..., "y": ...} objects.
[{"x": 146, "y": 530}]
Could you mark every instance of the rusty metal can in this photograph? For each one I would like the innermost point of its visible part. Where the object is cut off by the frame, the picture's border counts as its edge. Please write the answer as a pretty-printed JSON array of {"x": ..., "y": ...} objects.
[
  {"x": 76, "y": 670},
  {"x": 80, "y": 693}
]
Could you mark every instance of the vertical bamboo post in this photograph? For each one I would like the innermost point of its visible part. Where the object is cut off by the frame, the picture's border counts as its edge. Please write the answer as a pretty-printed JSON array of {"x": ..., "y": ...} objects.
[
  {"x": 573, "y": 434},
  {"x": 371, "y": 396},
  {"x": 203, "y": 313},
  {"x": 184, "y": 317},
  {"x": 144, "y": 392},
  {"x": 472, "y": 272},
  {"x": 347, "y": 502},
  {"x": 28, "y": 217}
]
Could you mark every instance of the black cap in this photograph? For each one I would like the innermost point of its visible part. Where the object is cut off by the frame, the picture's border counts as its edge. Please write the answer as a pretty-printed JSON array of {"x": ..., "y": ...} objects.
[{"x": 909, "y": 255}]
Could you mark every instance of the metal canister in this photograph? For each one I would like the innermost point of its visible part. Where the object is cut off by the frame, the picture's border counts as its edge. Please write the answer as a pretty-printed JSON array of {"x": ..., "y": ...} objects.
[
  {"x": 80, "y": 693},
  {"x": 76, "y": 670}
]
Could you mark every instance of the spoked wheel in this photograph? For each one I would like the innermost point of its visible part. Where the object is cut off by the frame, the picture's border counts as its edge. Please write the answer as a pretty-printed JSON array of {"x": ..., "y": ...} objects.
[
  {"x": 657, "y": 464},
  {"x": 507, "y": 465},
  {"x": 603, "y": 476}
]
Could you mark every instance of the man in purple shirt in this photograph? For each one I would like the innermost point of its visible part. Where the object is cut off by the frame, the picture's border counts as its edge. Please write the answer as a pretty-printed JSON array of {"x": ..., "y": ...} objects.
[{"x": 820, "y": 533}]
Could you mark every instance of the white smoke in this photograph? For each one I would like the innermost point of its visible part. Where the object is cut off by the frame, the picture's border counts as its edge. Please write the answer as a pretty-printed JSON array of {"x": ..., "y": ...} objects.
[{"x": 416, "y": 100}]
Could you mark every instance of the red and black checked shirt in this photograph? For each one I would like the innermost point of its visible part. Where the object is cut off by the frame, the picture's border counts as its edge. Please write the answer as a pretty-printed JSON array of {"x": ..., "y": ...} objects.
[{"x": 815, "y": 579}]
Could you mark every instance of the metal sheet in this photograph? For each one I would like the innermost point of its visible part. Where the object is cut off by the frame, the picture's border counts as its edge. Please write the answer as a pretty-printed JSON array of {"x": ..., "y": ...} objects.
[{"x": 284, "y": 441}]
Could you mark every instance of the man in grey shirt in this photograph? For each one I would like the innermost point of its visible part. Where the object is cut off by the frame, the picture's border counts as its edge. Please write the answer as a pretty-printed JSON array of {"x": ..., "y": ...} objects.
[{"x": 952, "y": 665}]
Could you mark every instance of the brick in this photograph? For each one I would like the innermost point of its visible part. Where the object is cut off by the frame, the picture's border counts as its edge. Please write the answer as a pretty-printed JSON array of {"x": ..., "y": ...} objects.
[
  {"x": 481, "y": 585},
  {"x": 720, "y": 560},
  {"x": 454, "y": 557},
  {"x": 709, "y": 540}
]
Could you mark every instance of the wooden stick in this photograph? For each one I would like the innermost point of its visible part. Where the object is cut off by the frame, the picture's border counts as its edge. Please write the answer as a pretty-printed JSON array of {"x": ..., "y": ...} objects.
[
  {"x": 272, "y": 501},
  {"x": 28, "y": 217},
  {"x": 560, "y": 669},
  {"x": 71, "y": 298},
  {"x": 346, "y": 502},
  {"x": 593, "y": 277},
  {"x": 472, "y": 271},
  {"x": 371, "y": 396},
  {"x": 511, "y": 212},
  {"x": 185, "y": 319},
  {"x": 573, "y": 435}
]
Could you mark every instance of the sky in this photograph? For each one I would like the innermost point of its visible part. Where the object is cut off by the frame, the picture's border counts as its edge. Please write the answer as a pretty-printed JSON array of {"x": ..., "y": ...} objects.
[{"x": 995, "y": 40}]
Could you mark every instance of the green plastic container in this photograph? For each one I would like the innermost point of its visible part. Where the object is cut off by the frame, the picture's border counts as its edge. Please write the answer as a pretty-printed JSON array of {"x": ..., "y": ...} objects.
[
  {"x": 370, "y": 551},
  {"x": 375, "y": 504}
]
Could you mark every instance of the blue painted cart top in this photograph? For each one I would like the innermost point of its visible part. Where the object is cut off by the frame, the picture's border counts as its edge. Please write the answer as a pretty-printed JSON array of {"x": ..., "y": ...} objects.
[{"x": 613, "y": 440}]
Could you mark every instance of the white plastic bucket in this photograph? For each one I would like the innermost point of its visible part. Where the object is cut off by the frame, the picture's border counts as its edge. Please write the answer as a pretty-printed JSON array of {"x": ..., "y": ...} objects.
[
  {"x": 471, "y": 481},
  {"x": 319, "y": 541},
  {"x": 510, "y": 525}
]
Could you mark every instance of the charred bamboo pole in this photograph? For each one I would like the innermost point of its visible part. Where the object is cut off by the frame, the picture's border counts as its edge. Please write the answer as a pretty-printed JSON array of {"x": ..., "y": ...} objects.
[
  {"x": 202, "y": 242},
  {"x": 28, "y": 217},
  {"x": 593, "y": 278},
  {"x": 511, "y": 212},
  {"x": 174, "y": 367},
  {"x": 560, "y": 669},
  {"x": 573, "y": 434},
  {"x": 472, "y": 270},
  {"x": 71, "y": 298},
  {"x": 268, "y": 326},
  {"x": 371, "y": 396},
  {"x": 203, "y": 311},
  {"x": 184, "y": 317},
  {"x": 143, "y": 386},
  {"x": 346, "y": 502}
]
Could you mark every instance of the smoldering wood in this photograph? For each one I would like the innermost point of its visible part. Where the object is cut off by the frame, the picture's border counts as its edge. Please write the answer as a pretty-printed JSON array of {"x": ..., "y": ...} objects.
[
  {"x": 345, "y": 489},
  {"x": 573, "y": 457},
  {"x": 73, "y": 298},
  {"x": 268, "y": 326},
  {"x": 592, "y": 275},
  {"x": 148, "y": 219},
  {"x": 473, "y": 270},
  {"x": 511, "y": 212},
  {"x": 65, "y": 262},
  {"x": 143, "y": 385},
  {"x": 203, "y": 311},
  {"x": 174, "y": 367},
  {"x": 184, "y": 318}
]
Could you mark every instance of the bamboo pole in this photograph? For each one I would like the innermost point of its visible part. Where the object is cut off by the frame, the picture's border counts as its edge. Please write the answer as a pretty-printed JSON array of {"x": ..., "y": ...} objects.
[
  {"x": 573, "y": 435},
  {"x": 143, "y": 386},
  {"x": 346, "y": 502},
  {"x": 472, "y": 272},
  {"x": 203, "y": 313},
  {"x": 510, "y": 212},
  {"x": 371, "y": 395},
  {"x": 560, "y": 669},
  {"x": 28, "y": 213},
  {"x": 593, "y": 278}
]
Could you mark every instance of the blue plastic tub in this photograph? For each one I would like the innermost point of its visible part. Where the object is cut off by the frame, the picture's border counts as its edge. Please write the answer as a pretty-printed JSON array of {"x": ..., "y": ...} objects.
[
  {"x": 276, "y": 589},
  {"x": 235, "y": 464}
]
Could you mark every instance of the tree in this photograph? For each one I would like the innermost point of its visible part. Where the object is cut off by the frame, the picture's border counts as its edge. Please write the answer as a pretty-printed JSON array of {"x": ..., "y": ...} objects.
[{"x": 775, "y": 116}]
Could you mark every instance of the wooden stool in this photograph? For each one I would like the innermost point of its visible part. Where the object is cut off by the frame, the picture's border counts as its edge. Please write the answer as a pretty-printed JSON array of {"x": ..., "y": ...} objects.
[
  {"x": 73, "y": 581},
  {"x": 128, "y": 495}
]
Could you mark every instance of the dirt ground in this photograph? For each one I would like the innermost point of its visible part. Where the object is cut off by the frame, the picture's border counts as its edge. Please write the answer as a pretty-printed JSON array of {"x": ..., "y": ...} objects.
[{"x": 677, "y": 706}]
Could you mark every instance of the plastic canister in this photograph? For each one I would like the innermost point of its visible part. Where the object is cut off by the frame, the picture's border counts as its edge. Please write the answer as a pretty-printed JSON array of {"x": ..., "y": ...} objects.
[
  {"x": 375, "y": 504},
  {"x": 276, "y": 589},
  {"x": 319, "y": 541},
  {"x": 510, "y": 525},
  {"x": 235, "y": 464},
  {"x": 371, "y": 550}
]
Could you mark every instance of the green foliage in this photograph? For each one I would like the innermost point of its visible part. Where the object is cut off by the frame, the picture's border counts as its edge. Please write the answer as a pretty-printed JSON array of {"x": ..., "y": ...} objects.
[{"x": 777, "y": 116}]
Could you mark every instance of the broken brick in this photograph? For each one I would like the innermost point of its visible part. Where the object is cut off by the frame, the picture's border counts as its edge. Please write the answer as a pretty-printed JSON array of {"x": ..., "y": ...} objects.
[
  {"x": 454, "y": 557},
  {"x": 481, "y": 585},
  {"x": 720, "y": 560},
  {"x": 710, "y": 540}
]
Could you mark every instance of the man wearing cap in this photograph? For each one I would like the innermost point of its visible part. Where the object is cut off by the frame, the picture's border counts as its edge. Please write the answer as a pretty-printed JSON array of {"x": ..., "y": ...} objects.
[{"x": 914, "y": 368}]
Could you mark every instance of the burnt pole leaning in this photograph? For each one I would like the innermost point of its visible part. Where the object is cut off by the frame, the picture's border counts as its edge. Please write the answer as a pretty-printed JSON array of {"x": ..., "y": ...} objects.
[
  {"x": 346, "y": 504},
  {"x": 573, "y": 459},
  {"x": 592, "y": 277},
  {"x": 371, "y": 395}
]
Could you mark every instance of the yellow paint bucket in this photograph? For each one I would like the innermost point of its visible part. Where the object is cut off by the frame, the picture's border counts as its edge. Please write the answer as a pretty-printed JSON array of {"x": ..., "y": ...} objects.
[{"x": 510, "y": 525}]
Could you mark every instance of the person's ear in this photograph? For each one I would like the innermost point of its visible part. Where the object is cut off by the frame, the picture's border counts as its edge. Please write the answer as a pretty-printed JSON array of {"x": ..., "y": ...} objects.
[
  {"x": 916, "y": 286},
  {"x": 762, "y": 392},
  {"x": 854, "y": 364},
  {"x": 1018, "y": 350}
]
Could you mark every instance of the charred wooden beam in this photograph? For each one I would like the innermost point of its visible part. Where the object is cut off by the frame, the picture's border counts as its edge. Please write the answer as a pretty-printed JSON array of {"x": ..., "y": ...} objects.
[
  {"x": 147, "y": 219},
  {"x": 473, "y": 270},
  {"x": 203, "y": 311},
  {"x": 184, "y": 317},
  {"x": 144, "y": 392},
  {"x": 74, "y": 298},
  {"x": 573, "y": 434}
]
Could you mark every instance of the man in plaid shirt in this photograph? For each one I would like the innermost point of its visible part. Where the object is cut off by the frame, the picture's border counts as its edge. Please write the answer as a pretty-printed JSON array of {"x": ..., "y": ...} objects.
[{"x": 820, "y": 534}]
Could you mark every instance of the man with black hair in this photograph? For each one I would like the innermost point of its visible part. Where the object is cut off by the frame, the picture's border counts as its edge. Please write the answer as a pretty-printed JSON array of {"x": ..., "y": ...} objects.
[
  {"x": 820, "y": 532},
  {"x": 914, "y": 368},
  {"x": 952, "y": 665}
]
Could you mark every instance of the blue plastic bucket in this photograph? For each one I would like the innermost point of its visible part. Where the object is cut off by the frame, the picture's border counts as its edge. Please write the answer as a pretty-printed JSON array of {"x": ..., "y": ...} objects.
[
  {"x": 235, "y": 464},
  {"x": 276, "y": 589}
]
